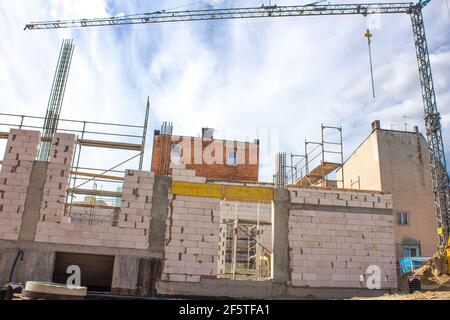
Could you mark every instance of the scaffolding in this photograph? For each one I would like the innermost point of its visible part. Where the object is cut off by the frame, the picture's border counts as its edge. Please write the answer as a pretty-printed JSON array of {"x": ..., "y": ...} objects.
[
  {"x": 314, "y": 167},
  {"x": 246, "y": 257},
  {"x": 86, "y": 203}
]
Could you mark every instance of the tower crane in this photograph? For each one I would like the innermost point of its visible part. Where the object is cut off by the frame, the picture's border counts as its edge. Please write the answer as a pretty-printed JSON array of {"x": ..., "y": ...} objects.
[{"x": 414, "y": 10}]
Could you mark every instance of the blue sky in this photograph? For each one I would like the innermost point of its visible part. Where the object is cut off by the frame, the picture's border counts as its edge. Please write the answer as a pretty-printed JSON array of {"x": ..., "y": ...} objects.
[{"x": 266, "y": 75}]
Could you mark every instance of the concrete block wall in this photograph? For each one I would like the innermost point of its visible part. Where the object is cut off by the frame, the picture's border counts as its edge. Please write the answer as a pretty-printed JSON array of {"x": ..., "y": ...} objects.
[
  {"x": 180, "y": 173},
  {"x": 192, "y": 238},
  {"x": 134, "y": 220},
  {"x": 332, "y": 245},
  {"x": 136, "y": 207},
  {"x": 221, "y": 266},
  {"x": 21, "y": 151},
  {"x": 55, "y": 187},
  {"x": 245, "y": 210},
  {"x": 53, "y": 227},
  {"x": 335, "y": 197}
]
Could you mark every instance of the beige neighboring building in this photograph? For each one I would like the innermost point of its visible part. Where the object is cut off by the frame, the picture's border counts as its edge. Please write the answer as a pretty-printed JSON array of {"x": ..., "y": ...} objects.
[{"x": 398, "y": 162}]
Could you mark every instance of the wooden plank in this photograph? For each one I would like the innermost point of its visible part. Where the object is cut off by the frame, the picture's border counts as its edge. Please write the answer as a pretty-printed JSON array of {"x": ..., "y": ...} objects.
[
  {"x": 102, "y": 193},
  {"x": 96, "y": 175},
  {"x": 247, "y": 222},
  {"x": 4, "y": 135},
  {"x": 317, "y": 173},
  {"x": 110, "y": 144},
  {"x": 86, "y": 205}
]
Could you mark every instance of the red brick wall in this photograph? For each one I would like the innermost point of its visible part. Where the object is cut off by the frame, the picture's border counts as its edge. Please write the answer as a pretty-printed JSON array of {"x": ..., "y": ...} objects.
[{"x": 208, "y": 157}]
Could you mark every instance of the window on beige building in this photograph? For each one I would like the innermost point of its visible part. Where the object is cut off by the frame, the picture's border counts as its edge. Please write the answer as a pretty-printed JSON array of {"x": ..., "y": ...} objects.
[{"x": 402, "y": 218}]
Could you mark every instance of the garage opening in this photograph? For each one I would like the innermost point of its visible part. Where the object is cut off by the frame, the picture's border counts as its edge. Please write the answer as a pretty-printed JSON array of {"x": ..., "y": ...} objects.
[{"x": 96, "y": 270}]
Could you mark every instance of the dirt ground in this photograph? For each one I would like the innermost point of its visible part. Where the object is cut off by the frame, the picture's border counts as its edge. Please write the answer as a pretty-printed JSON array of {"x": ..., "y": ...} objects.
[
  {"x": 434, "y": 280},
  {"x": 429, "y": 295}
]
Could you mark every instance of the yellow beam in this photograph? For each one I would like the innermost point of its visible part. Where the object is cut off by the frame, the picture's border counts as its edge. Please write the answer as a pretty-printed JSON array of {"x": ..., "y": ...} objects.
[
  {"x": 247, "y": 193},
  {"x": 222, "y": 191},
  {"x": 197, "y": 189}
]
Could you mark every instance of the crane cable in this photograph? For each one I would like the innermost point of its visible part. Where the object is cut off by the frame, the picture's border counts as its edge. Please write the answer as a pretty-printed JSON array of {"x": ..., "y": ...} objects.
[
  {"x": 448, "y": 8},
  {"x": 369, "y": 35}
]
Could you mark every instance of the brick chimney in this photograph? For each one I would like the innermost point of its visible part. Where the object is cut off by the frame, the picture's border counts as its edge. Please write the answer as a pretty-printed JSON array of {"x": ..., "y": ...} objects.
[{"x": 376, "y": 125}]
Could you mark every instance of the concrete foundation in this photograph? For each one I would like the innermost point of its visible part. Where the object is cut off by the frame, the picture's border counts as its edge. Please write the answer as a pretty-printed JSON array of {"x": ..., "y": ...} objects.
[
  {"x": 159, "y": 213},
  {"x": 259, "y": 290},
  {"x": 33, "y": 201},
  {"x": 39, "y": 259},
  {"x": 280, "y": 243}
]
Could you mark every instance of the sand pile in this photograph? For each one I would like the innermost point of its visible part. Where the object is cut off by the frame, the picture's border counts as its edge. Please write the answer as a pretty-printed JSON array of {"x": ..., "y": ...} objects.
[
  {"x": 432, "y": 274},
  {"x": 434, "y": 280},
  {"x": 436, "y": 295}
]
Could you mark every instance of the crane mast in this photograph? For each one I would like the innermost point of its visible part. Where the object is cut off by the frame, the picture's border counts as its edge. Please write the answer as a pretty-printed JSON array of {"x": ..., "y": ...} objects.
[
  {"x": 432, "y": 119},
  {"x": 439, "y": 174}
]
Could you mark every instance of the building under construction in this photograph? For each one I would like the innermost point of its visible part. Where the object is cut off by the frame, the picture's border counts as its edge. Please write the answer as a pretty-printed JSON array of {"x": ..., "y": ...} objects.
[
  {"x": 199, "y": 222},
  {"x": 183, "y": 233}
]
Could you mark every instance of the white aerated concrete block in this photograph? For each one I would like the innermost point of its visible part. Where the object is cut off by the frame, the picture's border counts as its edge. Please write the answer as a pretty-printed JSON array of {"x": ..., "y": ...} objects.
[{"x": 21, "y": 150}]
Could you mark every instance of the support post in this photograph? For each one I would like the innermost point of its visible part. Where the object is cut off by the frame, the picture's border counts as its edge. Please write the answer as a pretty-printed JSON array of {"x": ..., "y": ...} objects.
[
  {"x": 235, "y": 239},
  {"x": 280, "y": 228},
  {"x": 144, "y": 134}
]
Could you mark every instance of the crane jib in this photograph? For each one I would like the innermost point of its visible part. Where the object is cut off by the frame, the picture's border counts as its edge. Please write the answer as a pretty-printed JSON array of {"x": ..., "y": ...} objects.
[{"x": 233, "y": 13}]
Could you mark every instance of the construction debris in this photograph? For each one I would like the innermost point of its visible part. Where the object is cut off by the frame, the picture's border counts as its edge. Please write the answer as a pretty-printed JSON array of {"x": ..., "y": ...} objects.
[{"x": 433, "y": 275}]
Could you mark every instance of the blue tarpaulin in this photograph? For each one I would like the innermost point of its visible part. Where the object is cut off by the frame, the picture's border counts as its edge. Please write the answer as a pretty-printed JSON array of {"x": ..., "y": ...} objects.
[{"x": 409, "y": 264}]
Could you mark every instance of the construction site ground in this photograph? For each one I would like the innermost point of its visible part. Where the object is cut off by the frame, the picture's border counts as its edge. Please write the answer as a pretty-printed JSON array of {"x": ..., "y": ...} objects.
[
  {"x": 434, "y": 282},
  {"x": 429, "y": 295}
]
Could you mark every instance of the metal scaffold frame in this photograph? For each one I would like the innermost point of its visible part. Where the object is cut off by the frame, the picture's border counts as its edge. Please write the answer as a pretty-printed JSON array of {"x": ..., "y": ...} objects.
[
  {"x": 245, "y": 260},
  {"x": 299, "y": 173},
  {"x": 86, "y": 176}
]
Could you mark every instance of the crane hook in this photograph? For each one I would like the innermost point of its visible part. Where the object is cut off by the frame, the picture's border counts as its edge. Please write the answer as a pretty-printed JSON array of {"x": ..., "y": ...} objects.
[{"x": 369, "y": 35}]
